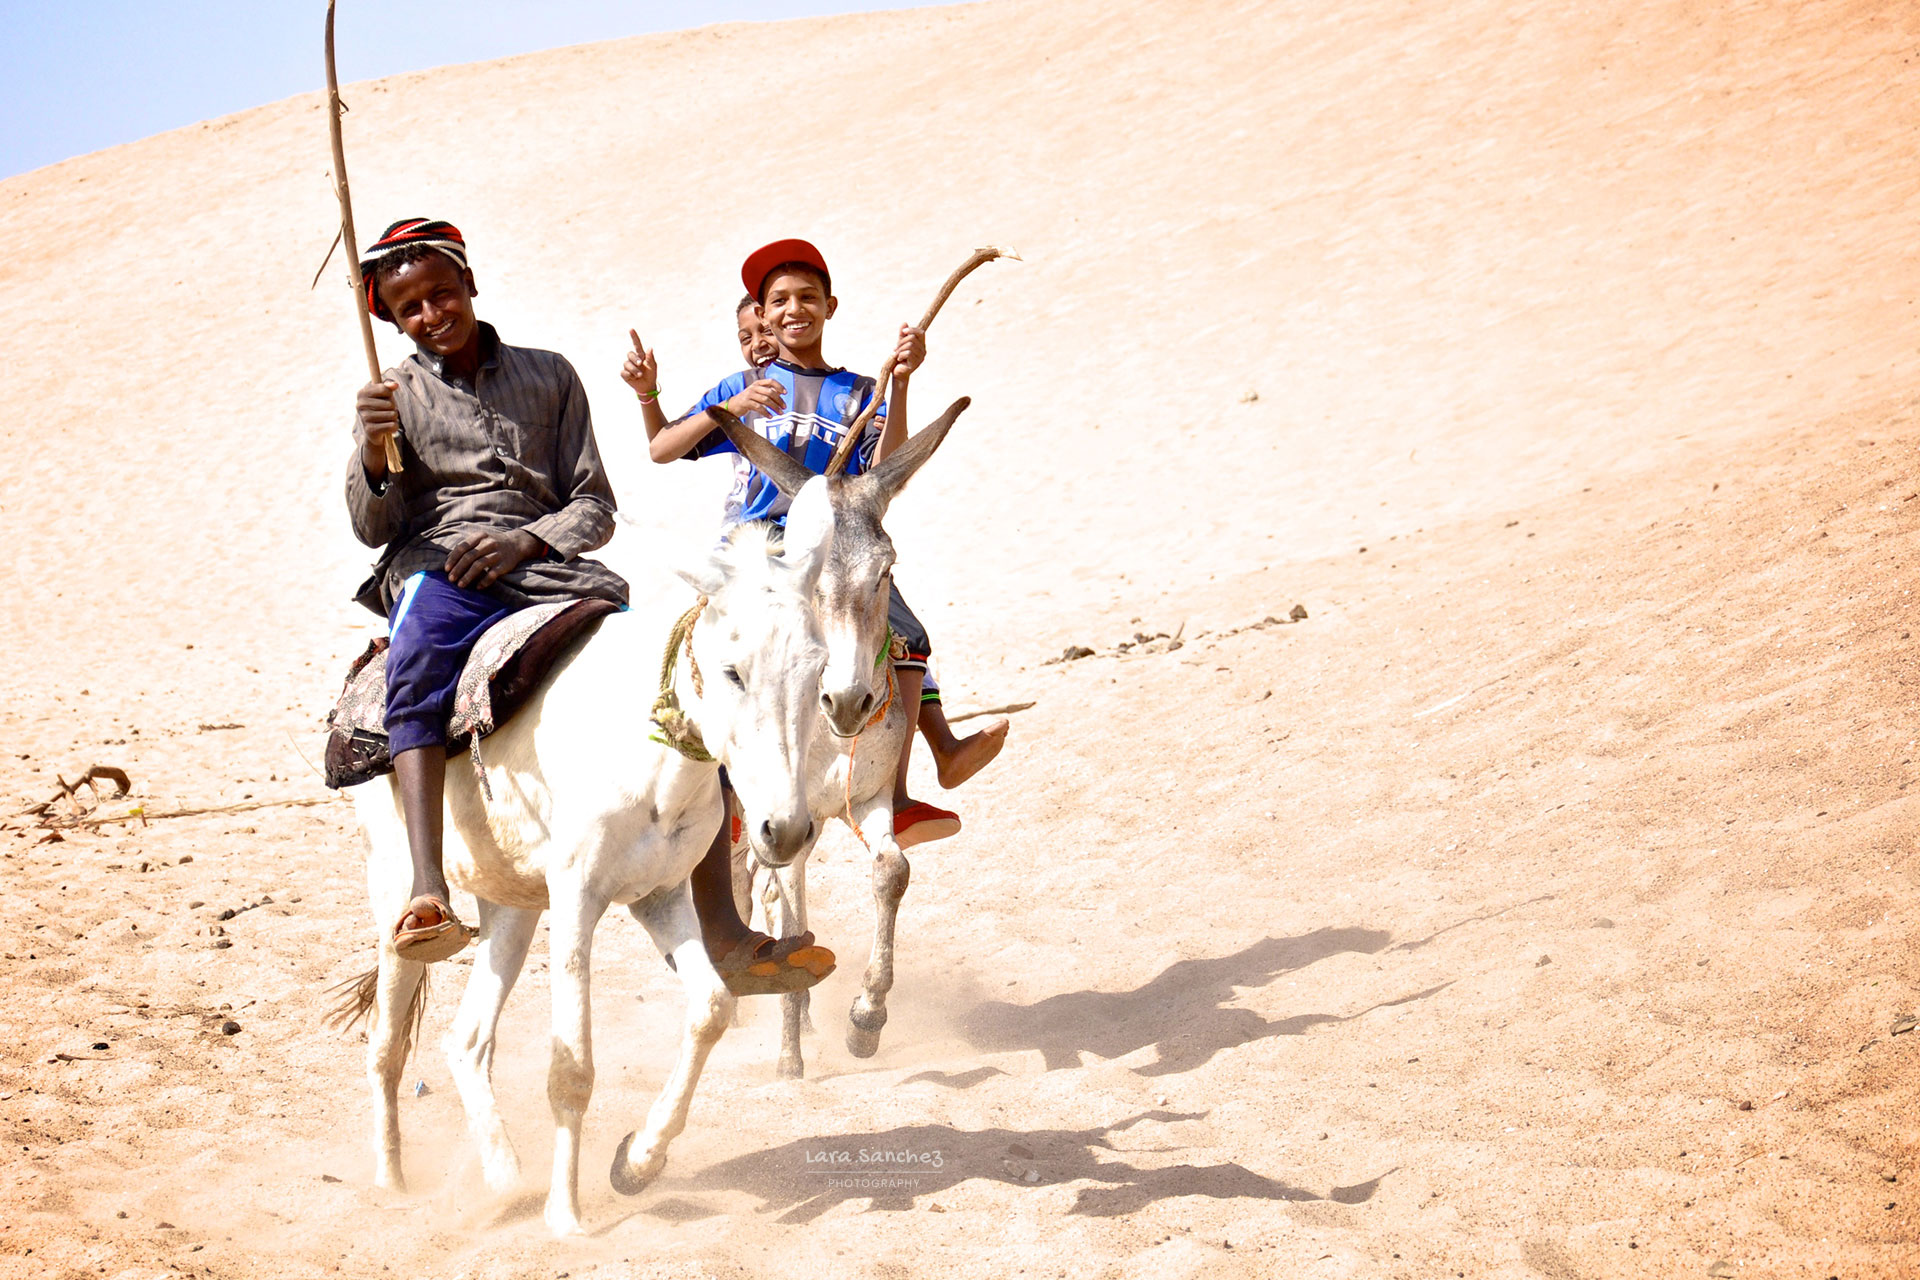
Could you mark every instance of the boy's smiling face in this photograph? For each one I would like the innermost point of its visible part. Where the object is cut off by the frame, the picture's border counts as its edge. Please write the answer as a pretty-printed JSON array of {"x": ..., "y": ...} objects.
[
  {"x": 432, "y": 301},
  {"x": 757, "y": 346},
  {"x": 796, "y": 310}
]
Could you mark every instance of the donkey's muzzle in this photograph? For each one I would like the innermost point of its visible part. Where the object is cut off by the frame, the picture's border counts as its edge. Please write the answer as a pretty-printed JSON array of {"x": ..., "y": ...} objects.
[
  {"x": 780, "y": 840},
  {"x": 847, "y": 710}
]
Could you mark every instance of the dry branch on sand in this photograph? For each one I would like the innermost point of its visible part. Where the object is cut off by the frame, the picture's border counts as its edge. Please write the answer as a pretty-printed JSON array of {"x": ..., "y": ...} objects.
[{"x": 85, "y": 815}]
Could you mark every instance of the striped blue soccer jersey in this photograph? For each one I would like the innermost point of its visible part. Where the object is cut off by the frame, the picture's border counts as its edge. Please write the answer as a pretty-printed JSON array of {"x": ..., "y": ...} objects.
[{"x": 821, "y": 404}]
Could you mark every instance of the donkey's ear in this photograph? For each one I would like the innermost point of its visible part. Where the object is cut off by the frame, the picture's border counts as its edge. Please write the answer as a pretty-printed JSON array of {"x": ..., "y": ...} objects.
[
  {"x": 891, "y": 476},
  {"x": 810, "y": 528},
  {"x": 708, "y": 577},
  {"x": 789, "y": 474}
]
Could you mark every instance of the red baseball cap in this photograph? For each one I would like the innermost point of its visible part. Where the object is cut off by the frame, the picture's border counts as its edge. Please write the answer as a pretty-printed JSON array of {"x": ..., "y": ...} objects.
[{"x": 761, "y": 262}]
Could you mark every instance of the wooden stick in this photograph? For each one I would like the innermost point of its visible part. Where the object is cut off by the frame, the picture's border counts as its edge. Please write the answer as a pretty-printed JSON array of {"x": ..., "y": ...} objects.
[
  {"x": 1008, "y": 709},
  {"x": 845, "y": 448},
  {"x": 346, "y": 233}
]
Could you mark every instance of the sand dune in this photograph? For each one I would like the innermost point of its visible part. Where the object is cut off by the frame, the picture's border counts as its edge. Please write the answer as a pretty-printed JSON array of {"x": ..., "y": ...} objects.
[{"x": 1541, "y": 905}]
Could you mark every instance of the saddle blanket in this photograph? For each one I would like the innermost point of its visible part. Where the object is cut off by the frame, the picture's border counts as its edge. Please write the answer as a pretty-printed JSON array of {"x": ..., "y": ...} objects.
[{"x": 506, "y": 667}]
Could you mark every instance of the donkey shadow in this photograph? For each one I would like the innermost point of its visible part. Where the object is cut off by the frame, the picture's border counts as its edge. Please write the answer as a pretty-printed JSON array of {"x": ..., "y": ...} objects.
[
  {"x": 892, "y": 1168},
  {"x": 1185, "y": 1011}
]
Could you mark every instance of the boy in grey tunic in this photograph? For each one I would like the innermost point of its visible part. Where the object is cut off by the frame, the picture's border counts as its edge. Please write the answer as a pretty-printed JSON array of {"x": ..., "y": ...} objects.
[{"x": 501, "y": 492}]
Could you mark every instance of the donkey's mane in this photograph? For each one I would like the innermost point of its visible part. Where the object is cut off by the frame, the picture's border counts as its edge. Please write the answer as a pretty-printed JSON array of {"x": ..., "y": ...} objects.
[{"x": 751, "y": 550}]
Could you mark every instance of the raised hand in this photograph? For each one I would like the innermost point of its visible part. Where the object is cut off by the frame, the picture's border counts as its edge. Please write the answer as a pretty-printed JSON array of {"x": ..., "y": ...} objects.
[
  {"x": 640, "y": 370},
  {"x": 379, "y": 419},
  {"x": 910, "y": 352}
]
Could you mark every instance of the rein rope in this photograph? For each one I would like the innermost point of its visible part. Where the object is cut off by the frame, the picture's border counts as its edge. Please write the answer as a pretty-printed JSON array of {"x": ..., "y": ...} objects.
[
  {"x": 886, "y": 652},
  {"x": 676, "y": 730}
]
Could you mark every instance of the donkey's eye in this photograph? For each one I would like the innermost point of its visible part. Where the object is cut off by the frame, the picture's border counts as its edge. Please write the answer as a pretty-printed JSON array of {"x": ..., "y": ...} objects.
[{"x": 733, "y": 677}]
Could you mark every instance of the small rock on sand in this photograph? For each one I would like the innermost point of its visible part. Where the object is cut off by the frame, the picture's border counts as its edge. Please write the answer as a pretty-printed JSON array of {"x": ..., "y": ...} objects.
[
  {"x": 229, "y": 1028},
  {"x": 1298, "y": 613}
]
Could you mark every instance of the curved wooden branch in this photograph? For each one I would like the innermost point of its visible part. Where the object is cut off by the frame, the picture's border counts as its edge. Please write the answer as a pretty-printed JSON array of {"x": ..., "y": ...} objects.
[
  {"x": 346, "y": 232},
  {"x": 845, "y": 448}
]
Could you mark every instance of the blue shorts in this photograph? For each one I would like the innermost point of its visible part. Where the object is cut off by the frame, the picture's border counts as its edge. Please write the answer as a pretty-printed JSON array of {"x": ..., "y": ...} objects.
[{"x": 433, "y": 628}]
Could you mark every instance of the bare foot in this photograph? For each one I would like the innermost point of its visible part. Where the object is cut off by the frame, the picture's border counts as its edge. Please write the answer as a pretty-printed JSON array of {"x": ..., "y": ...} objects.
[{"x": 974, "y": 753}]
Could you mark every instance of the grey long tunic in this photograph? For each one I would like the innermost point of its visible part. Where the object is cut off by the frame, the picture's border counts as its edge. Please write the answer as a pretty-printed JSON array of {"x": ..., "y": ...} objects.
[{"x": 513, "y": 449}]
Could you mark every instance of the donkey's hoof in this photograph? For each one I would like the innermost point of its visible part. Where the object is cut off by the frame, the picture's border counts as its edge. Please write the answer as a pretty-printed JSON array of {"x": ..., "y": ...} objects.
[
  {"x": 793, "y": 1068},
  {"x": 628, "y": 1178},
  {"x": 563, "y": 1222},
  {"x": 863, "y": 1030}
]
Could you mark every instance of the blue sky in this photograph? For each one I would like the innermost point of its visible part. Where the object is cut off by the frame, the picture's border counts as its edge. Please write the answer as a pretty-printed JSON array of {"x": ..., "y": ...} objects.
[{"x": 80, "y": 75}]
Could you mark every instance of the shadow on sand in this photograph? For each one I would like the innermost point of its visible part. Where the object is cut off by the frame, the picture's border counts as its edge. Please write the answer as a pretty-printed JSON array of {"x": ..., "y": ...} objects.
[
  {"x": 1184, "y": 1012},
  {"x": 892, "y": 1168}
]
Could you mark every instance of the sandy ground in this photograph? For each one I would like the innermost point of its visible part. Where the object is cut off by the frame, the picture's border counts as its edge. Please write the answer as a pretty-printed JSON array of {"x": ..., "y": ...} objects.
[{"x": 1541, "y": 905}]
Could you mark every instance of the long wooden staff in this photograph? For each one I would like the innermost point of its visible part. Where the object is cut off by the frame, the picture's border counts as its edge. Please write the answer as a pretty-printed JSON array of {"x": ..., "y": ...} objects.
[
  {"x": 845, "y": 448},
  {"x": 348, "y": 242}
]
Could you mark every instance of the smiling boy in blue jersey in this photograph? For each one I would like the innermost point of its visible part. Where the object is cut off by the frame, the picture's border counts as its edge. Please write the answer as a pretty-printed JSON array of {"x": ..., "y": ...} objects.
[{"x": 803, "y": 405}]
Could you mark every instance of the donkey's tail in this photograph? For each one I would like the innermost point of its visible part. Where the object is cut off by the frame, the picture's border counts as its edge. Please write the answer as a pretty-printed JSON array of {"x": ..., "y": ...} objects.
[{"x": 357, "y": 997}]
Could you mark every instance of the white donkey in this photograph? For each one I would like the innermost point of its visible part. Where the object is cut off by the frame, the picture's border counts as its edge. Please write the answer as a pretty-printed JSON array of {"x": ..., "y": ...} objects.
[
  {"x": 869, "y": 725},
  {"x": 587, "y": 810}
]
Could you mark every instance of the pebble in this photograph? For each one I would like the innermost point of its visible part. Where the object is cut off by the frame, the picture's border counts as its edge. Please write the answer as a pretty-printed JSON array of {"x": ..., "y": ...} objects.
[
  {"x": 1889, "y": 1175},
  {"x": 121, "y": 1214},
  {"x": 228, "y": 914},
  {"x": 229, "y": 1028},
  {"x": 1323, "y": 1137},
  {"x": 327, "y": 1177},
  {"x": 936, "y": 1208},
  {"x": 1903, "y": 1024},
  {"x": 185, "y": 858},
  {"x": 1745, "y": 1105},
  {"x": 420, "y": 1089},
  {"x": 1601, "y": 922},
  {"x": 1721, "y": 1269},
  {"x": 1543, "y": 962},
  {"x": 221, "y": 944},
  {"x": 1033, "y": 1175},
  {"x": 1074, "y": 652},
  {"x": 1298, "y": 613},
  {"x": 101, "y": 1044},
  {"x": 195, "y": 903}
]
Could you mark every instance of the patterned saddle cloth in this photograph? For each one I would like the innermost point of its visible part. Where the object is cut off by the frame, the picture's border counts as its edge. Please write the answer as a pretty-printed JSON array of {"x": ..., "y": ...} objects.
[{"x": 505, "y": 669}]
